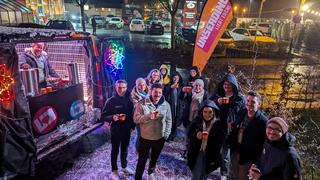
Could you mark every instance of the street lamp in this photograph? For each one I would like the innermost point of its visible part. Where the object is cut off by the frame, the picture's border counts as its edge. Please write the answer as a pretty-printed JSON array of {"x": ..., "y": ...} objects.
[
  {"x": 244, "y": 10},
  {"x": 235, "y": 8}
]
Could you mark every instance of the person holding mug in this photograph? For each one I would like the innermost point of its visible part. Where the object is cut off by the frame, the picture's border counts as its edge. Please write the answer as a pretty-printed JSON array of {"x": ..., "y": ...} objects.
[
  {"x": 118, "y": 111},
  {"x": 205, "y": 135}
]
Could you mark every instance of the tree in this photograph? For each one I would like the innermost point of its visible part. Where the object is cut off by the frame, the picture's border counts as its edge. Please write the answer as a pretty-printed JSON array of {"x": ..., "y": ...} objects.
[
  {"x": 171, "y": 6},
  {"x": 81, "y": 4}
]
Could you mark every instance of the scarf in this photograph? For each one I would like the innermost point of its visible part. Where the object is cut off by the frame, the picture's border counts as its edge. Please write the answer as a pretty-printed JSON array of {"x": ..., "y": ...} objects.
[
  {"x": 197, "y": 99},
  {"x": 205, "y": 128}
]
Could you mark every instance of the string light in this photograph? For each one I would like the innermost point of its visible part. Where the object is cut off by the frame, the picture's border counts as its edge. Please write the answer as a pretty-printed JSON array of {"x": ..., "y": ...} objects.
[
  {"x": 6, "y": 82},
  {"x": 114, "y": 57}
]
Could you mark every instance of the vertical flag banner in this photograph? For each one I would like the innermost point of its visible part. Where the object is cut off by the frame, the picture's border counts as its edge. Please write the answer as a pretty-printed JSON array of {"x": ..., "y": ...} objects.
[{"x": 215, "y": 17}]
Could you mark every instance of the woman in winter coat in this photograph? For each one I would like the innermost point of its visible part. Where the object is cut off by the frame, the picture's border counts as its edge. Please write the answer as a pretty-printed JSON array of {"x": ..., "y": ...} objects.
[
  {"x": 279, "y": 159},
  {"x": 165, "y": 74},
  {"x": 194, "y": 75},
  {"x": 153, "y": 77},
  {"x": 139, "y": 92},
  {"x": 205, "y": 135},
  {"x": 173, "y": 91}
]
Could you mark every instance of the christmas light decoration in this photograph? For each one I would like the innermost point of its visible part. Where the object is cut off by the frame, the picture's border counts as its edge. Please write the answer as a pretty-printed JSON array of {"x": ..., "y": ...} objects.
[
  {"x": 6, "y": 82},
  {"x": 114, "y": 57}
]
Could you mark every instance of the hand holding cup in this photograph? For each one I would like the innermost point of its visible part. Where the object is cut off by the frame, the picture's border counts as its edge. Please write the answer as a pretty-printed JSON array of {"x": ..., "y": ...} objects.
[
  {"x": 199, "y": 135},
  {"x": 204, "y": 134},
  {"x": 122, "y": 117}
]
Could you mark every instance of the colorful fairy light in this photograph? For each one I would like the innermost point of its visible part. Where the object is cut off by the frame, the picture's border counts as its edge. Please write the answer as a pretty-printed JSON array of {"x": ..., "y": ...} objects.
[
  {"x": 6, "y": 82},
  {"x": 114, "y": 57}
]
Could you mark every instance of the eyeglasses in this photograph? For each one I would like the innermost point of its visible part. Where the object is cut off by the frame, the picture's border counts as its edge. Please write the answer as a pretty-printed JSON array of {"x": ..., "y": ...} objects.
[{"x": 278, "y": 130}]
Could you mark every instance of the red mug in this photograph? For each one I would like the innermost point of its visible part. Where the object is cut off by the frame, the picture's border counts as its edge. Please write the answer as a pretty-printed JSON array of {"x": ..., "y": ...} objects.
[
  {"x": 205, "y": 134},
  {"x": 122, "y": 117},
  {"x": 225, "y": 100}
]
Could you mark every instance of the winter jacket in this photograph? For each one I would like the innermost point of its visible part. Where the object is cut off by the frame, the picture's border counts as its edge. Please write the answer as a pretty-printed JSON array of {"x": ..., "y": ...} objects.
[
  {"x": 153, "y": 129},
  {"x": 253, "y": 137},
  {"x": 198, "y": 76},
  {"x": 136, "y": 97},
  {"x": 119, "y": 105},
  {"x": 215, "y": 139},
  {"x": 30, "y": 59},
  {"x": 236, "y": 102},
  {"x": 173, "y": 97},
  {"x": 166, "y": 77},
  {"x": 280, "y": 160}
]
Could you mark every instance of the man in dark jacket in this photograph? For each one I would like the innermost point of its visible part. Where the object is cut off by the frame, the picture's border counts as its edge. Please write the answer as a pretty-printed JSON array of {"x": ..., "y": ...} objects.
[
  {"x": 35, "y": 57},
  {"x": 247, "y": 136},
  {"x": 118, "y": 110},
  {"x": 94, "y": 25},
  {"x": 230, "y": 101},
  {"x": 279, "y": 159}
]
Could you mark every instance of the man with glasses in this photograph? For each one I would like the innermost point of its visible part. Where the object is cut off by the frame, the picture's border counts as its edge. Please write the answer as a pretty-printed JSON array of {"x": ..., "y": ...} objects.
[
  {"x": 279, "y": 159},
  {"x": 247, "y": 136}
]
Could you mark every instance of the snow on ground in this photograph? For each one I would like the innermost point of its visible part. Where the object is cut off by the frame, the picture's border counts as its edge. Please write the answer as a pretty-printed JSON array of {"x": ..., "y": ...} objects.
[{"x": 97, "y": 165}]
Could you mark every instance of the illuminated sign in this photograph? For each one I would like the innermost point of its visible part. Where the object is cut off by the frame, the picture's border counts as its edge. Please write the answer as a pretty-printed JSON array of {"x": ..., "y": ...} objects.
[
  {"x": 45, "y": 120},
  {"x": 77, "y": 109},
  {"x": 189, "y": 13}
]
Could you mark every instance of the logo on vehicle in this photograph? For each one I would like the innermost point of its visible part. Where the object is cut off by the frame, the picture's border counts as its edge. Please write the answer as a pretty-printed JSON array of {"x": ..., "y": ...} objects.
[
  {"x": 45, "y": 120},
  {"x": 77, "y": 109}
]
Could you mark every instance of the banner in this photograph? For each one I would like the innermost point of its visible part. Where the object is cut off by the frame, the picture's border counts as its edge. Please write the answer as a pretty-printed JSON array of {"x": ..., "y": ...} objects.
[
  {"x": 215, "y": 17},
  {"x": 189, "y": 13}
]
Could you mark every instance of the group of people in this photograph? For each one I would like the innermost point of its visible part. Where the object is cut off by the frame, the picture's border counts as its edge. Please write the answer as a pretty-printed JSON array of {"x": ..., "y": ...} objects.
[{"x": 226, "y": 130}]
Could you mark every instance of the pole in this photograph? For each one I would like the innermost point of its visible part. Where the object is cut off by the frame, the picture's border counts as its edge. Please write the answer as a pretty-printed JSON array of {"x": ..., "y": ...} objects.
[
  {"x": 294, "y": 29},
  {"x": 257, "y": 23}
]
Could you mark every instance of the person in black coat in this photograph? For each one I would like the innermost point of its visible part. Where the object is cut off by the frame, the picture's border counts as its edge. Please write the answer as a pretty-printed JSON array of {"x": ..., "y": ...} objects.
[
  {"x": 230, "y": 101},
  {"x": 194, "y": 75},
  {"x": 118, "y": 111},
  {"x": 94, "y": 25},
  {"x": 279, "y": 159},
  {"x": 205, "y": 135},
  {"x": 173, "y": 91},
  {"x": 247, "y": 136}
]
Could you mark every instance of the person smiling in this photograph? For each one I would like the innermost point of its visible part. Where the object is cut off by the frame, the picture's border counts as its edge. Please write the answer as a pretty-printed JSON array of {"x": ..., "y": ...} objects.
[{"x": 279, "y": 159}]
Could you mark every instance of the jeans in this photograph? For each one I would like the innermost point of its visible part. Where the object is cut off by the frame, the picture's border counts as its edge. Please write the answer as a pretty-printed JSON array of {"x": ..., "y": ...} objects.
[
  {"x": 144, "y": 148},
  {"x": 121, "y": 140},
  {"x": 225, "y": 153}
]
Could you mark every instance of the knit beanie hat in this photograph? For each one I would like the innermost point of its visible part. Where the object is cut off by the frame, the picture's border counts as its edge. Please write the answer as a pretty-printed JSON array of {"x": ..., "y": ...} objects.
[{"x": 278, "y": 120}]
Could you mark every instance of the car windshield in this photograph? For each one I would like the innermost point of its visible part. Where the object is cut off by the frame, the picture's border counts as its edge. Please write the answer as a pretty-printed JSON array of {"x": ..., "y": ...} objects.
[
  {"x": 253, "y": 33},
  {"x": 110, "y": 15},
  {"x": 115, "y": 19},
  {"x": 188, "y": 32},
  {"x": 136, "y": 22},
  {"x": 226, "y": 35},
  {"x": 57, "y": 24},
  {"x": 98, "y": 17}
]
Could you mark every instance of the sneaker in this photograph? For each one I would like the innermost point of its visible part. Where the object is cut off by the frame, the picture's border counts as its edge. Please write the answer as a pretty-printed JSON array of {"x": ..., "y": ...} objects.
[
  {"x": 152, "y": 177},
  {"x": 115, "y": 175},
  {"x": 223, "y": 178},
  {"x": 128, "y": 171}
]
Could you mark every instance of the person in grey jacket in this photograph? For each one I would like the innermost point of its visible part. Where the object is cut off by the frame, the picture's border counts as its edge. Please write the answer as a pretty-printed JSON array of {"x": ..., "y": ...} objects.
[
  {"x": 153, "y": 115},
  {"x": 35, "y": 57}
]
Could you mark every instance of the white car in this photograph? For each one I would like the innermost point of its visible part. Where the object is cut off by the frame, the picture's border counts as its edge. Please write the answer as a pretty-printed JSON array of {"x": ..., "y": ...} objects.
[
  {"x": 108, "y": 18},
  {"x": 137, "y": 25},
  {"x": 264, "y": 27},
  {"x": 116, "y": 22}
]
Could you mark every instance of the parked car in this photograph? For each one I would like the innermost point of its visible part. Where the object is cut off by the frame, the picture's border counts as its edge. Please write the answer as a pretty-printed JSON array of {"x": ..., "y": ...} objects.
[
  {"x": 225, "y": 42},
  {"x": 264, "y": 27},
  {"x": 99, "y": 20},
  {"x": 60, "y": 24},
  {"x": 137, "y": 25},
  {"x": 186, "y": 36},
  {"x": 108, "y": 18},
  {"x": 115, "y": 22},
  {"x": 155, "y": 27},
  {"x": 241, "y": 34}
]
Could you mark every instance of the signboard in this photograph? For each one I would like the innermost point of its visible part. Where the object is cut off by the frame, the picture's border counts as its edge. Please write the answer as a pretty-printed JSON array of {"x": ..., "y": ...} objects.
[
  {"x": 189, "y": 13},
  {"x": 77, "y": 109},
  {"x": 45, "y": 120},
  {"x": 215, "y": 18}
]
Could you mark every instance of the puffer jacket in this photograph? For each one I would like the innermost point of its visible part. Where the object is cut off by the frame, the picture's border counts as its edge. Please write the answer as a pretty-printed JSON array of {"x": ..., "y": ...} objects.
[
  {"x": 280, "y": 160},
  {"x": 215, "y": 139},
  {"x": 153, "y": 129},
  {"x": 165, "y": 77}
]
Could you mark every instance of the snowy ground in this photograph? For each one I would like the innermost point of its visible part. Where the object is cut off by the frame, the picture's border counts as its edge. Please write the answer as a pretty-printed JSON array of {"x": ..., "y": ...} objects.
[{"x": 97, "y": 165}]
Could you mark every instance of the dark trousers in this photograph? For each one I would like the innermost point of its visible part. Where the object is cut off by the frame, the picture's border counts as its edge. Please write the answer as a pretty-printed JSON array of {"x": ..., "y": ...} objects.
[
  {"x": 94, "y": 29},
  {"x": 144, "y": 148},
  {"x": 119, "y": 139}
]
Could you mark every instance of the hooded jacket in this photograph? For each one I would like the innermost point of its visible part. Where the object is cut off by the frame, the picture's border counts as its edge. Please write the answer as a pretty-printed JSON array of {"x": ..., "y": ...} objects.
[
  {"x": 236, "y": 102},
  {"x": 119, "y": 105},
  {"x": 280, "y": 160},
  {"x": 165, "y": 77},
  {"x": 214, "y": 144},
  {"x": 153, "y": 129},
  {"x": 253, "y": 137},
  {"x": 197, "y": 76},
  {"x": 30, "y": 59},
  {"x": 173, "y": 96}
]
